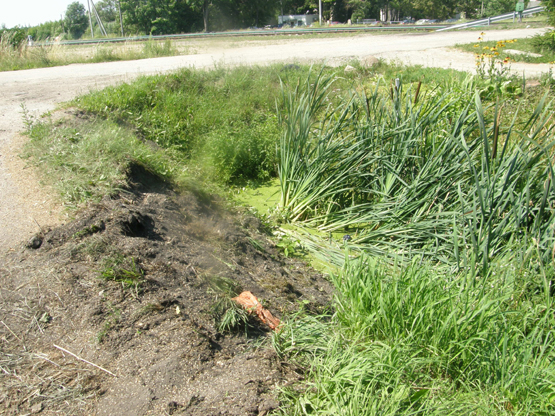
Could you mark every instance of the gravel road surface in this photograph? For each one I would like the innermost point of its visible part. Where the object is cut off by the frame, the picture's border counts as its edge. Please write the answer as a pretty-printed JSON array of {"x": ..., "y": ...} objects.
[{"x": 26, "y": 205}]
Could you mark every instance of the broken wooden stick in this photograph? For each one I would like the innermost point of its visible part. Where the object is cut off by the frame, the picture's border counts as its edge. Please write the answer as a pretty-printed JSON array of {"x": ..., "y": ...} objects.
[{"x": 249, "y": 302}]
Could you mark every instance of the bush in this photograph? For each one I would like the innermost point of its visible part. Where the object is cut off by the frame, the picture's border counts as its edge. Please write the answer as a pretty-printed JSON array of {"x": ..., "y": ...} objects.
[
  {"x": 544, "y": 42},
  {"x": 13, "y": 38}
]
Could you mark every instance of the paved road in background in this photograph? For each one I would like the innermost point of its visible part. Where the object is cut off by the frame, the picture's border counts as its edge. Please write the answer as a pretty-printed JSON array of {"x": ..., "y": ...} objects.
[{"x": 25, "y": 205}]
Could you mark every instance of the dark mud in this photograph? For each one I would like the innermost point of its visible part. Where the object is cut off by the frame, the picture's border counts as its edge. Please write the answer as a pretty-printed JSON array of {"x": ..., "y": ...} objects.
[{"x": 131, "y": 286}]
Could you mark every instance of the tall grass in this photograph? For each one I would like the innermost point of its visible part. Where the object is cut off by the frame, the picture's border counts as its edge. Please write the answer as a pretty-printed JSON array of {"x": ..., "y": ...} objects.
[
  {"x": 408, "y": 340},
  {"x": 23, "y": 56},
  {"x": 408, "y": 174},
  {"x": 458, "y": 202},
  {"x": 222, "y": 121}
]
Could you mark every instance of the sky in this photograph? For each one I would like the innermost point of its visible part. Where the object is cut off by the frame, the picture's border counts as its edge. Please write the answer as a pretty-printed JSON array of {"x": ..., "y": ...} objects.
[{"x": 32, "y": 12}]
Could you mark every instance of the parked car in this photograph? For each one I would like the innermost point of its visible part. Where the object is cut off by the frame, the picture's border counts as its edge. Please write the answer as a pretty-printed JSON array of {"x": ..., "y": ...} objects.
[{"x": 422, "y": 22}]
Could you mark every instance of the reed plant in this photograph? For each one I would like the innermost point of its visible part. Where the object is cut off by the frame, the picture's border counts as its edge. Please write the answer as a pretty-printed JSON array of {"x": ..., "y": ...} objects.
[{"x": 405, "y": 173}]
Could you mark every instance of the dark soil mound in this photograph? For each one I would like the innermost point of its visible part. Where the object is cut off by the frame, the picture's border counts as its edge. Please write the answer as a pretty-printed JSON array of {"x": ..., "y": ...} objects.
[{"x": 130, "y": 286}]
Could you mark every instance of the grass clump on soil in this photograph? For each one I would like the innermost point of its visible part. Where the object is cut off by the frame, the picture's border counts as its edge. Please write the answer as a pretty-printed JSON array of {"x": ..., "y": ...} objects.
[
  {"x": 122, "y": 270},
  {"x": 228, "y": 315}
]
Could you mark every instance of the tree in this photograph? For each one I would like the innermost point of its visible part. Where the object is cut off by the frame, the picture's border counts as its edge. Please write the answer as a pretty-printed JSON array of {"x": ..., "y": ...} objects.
[
  {"x": 233, "y": 14},
  {"x": 202, "y": 6},
  {"x": 496, "y": 7},
  {"x": 550, "y": 10},
  {"x": 46, "y": 30},
  {"x": 107, "y": 10},
  {"x": 14, "y": 37},
  {"x": 159, "y": 17},
  {"x": 76, "y": 20}
]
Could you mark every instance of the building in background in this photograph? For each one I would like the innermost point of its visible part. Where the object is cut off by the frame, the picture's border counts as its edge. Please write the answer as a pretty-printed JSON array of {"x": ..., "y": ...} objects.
[{"x": 297, "y": 19}]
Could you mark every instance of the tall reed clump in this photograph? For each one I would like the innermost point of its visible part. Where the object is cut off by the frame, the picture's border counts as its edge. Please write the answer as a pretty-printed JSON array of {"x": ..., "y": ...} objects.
[
  {"x": 407, "y": 173},
  {"x": 409, "y": 340}
]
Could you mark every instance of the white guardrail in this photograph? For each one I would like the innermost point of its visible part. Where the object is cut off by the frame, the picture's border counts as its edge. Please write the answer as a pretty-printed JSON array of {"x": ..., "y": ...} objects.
[{"x": 488, "y": 20}]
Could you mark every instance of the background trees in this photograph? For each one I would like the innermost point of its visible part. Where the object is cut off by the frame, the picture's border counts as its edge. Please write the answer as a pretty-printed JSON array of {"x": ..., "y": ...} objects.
[
  {"x": 76, "y": 20},
  {"x": 159, "y": 17}
]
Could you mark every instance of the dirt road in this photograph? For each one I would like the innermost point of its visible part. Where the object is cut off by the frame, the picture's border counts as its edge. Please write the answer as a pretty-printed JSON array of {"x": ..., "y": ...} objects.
[{"x": 25, "y": 205}]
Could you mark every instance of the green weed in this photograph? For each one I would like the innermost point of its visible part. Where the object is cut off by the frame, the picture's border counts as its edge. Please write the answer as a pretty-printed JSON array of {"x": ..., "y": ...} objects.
[
  {"x": 229, "y": 316},
  {"x": 123, "y": 270},
  {"x": 113, "y": 318}
]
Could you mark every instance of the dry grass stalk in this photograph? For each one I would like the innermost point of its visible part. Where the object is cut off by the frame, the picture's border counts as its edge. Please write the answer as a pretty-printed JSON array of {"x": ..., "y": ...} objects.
[{"x": 85, "y": 361}]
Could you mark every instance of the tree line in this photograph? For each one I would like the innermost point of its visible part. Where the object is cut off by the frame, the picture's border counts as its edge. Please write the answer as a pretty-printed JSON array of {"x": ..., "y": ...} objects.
[{"x": 158, "y": 17}]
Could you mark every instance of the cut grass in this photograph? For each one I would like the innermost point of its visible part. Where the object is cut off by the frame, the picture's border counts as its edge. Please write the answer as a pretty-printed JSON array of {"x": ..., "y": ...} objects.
[{"x": 86, "y": 160}]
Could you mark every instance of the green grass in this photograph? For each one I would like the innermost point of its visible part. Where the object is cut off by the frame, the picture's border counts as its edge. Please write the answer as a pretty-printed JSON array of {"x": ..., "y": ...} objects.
[
  {"x": 407, "y": 340},
  {"x": 440, "y": 176},
  {"x": 525, "y": 45},
  {"x": 222, "y": 122},
  {"x": 88, "y": 159}
]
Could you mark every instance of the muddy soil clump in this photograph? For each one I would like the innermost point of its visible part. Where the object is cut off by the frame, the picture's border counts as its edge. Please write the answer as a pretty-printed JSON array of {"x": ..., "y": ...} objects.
[{"x": 131, "y": 286}]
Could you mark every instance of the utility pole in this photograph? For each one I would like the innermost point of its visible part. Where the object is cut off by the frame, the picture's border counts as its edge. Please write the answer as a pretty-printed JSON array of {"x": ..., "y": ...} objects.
[
  {"x": 320, "y": 11},
  {"x": 90, "y": 19},
  {"x": 98, "y": 19},
  {"x": 120, "y": 19}
]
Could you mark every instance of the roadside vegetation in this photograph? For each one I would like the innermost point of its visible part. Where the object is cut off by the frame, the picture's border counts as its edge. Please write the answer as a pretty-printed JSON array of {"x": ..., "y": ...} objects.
[
  {"x": 528, "y": 49},
  {"x": 428, "y": 193},
  {"x": 17, "y": 54}
]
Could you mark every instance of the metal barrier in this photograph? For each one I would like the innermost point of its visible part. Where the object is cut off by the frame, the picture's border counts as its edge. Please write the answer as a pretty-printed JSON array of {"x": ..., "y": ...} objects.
[
  {"x": 489, "y": 20},
  {"x": 261, "y": 32}
]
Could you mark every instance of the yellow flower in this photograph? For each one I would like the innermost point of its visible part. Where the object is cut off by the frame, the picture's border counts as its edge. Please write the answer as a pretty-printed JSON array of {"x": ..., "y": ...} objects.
[
  {"x": 482, "y": 34},
  {"x": 485, "y": 47},
  {"x": 476, "y": 46}
]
